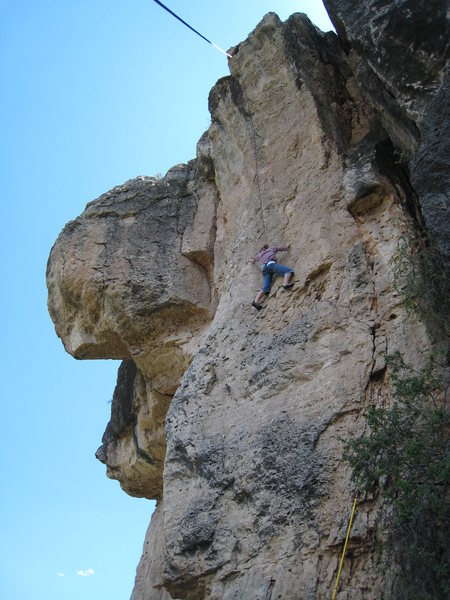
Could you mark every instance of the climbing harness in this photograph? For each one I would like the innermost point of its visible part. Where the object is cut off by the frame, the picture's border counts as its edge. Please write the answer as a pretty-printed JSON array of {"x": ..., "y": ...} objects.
[
  {"x": 345, "y": 545},
  {"x": 191, "y": 28}
]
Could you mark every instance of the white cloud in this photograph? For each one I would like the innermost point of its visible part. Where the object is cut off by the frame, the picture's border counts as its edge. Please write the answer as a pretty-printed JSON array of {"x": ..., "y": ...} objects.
[
  {"x": 85, "y": 572},
  {"x": 60, "y": 574}
]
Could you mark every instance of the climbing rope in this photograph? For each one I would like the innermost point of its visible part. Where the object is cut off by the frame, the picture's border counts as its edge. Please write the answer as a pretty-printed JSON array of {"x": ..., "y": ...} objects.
[
  {"x": 191, "y": 28},
  {"x": 255, "y": 152},
  {"x": 258, "y": 186},
  {"x": 345, "y": 545},
  {"x": 254, "y": 134}
]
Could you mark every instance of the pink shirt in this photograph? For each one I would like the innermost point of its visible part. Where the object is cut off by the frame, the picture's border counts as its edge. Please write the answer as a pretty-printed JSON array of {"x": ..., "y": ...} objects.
[{"x": 264, "y": 256}]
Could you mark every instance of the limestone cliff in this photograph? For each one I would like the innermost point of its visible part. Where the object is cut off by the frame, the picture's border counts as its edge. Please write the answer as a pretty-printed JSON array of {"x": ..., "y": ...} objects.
[{"x": 234, "y": 419}]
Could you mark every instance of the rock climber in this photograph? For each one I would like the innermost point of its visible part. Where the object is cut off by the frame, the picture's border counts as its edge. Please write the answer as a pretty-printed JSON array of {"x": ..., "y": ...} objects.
[{"x": 267, "y": 256}]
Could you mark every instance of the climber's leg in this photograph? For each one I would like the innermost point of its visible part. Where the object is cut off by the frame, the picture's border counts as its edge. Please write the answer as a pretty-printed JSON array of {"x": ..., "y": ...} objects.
[
  {"x": 267, "y": 284},
  {"x": 257, "y": 301},
  {"x": 287, "y": 280},
  {"x": 287, "y": 272}
]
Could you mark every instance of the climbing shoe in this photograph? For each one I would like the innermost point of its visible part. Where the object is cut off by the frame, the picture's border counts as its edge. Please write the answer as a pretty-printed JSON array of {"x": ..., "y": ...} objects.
[
  {"x": 288, "y": 286},
  {"x": 256, "y": 305}
]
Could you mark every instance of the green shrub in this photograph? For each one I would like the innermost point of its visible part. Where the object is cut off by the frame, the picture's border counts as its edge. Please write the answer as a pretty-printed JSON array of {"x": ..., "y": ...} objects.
[
  {"x": 421, "y": 277},
  {"x": 406, "y": 459}
]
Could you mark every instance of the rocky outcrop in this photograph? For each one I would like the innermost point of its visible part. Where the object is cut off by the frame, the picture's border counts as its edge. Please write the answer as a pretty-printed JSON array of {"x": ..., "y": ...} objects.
[
  {"x": 399, "y": 52},
  {"x": 430, "y": 167},
  {"x": 130, "y": 279},
  {"x": 234, "y": 420}
]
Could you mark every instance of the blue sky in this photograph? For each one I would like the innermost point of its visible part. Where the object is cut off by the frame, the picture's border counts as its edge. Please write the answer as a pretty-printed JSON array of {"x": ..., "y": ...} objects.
[{"x": 93, "y": 92}]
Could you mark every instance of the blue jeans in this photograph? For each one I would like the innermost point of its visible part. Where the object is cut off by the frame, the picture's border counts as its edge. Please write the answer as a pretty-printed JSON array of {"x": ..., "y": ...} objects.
[{"x": 269, "y": 271}]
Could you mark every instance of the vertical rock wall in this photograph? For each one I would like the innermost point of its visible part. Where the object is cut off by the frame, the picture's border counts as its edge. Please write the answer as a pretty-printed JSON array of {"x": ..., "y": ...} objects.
[{"x": 253, "y": 497}]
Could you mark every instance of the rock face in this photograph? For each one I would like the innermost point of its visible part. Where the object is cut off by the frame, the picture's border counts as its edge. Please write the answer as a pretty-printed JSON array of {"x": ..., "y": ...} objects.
[
  {"x": 399, "y": 53},
  {"x": 234, "y": 420},
  {"x": 130, "y": 279}
]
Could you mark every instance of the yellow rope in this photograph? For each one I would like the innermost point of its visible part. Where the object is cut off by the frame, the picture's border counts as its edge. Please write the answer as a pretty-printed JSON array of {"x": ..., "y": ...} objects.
[{"x": 345, "y": 547}]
